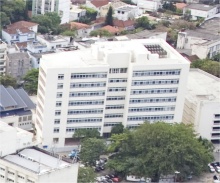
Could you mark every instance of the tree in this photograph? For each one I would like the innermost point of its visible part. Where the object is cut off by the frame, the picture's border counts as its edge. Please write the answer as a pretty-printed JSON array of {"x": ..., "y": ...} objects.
[
  {"x": 69, "y": 33},
  {"x": 156, "y": 149},
  {"x": 101, "y": 33},
  {"x": 7, "y": 80},
  {"x": 86, "y": 133},
  {"x": 31, "y": 81},
  {"x": 212, "y": 67},
  {"x": 117, "y": 129},
  {"x": 86, "y": 175},
  {"x": 143, "y": 22},
  {"x": 5, "y": 20},
  {"x": 216, "y": 57},
  {"x": 109, "y": 17},
  {"x": 91, "y": 149}
]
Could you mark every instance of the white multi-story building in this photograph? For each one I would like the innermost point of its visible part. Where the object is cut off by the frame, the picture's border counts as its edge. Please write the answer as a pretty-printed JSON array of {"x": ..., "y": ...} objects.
[
  {"x": 62, "y": 7},
  {"x": 3, "y": 56},
  {"x": 202, "y": 104},
  {"x": 148, "y": 5},
  {"x": 109, "y": 83}
]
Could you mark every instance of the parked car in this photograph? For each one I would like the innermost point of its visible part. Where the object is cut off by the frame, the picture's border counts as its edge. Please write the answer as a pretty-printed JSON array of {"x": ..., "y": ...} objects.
[
  {"x": 211, "y": 168},
  {"x": 115, "y": 179},
  {"x": 217, "y": 169}
]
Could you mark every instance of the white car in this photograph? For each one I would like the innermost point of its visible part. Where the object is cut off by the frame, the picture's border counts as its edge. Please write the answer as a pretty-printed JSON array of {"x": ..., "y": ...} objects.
[
  {"x": 211, "y": 168},
  {"x": 217, "y": 169}
]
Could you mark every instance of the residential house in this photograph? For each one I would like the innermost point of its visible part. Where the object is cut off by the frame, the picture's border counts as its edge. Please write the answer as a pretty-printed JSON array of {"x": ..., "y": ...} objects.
[
  {"x": 36, "y": 47},
  {"x": 62, "y": 7},
  {"x": 20, "y": 32},
  {"x": 3, "y": 55},
  {"x": 18, "y": 64},
  {"x": 202, "y": 104},
  {"x": 82, "y": 30},
  {"x": 124, "y": 25},
  {"x": 114, "y": 4},
  {"x": 148, "y": 5},
  {"x": 111, "y": 29},
  {"x": 200, "y": 11},
  {"x": 76, "y": 13},
  {"x": 128, "y": 12},
  {"x": 199, "y": 43},
  {"x": 180, "y": 6},
  {"x": 15, "y": 107},
  {"x": 97, "y": 5}
]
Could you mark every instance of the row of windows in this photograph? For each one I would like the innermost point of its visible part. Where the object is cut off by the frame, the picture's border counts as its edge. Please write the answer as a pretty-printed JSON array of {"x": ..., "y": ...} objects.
[
  {"x": 155, "y": 82},
  {"x": 118, "y": 80},
  {"x": 114, "y": 107},
  {"x": 86, "y": 102},
  {"x": 110, "y": 124},
  {"x": 150, "y": 118},
  {"x": 153, "y": 100},
  {"x": 84, "y": 94},
  {"x": 87, "y": 85},
  {"x": 151, "y": 109},
  {"x": 85, "y": 111},
  {"x": 114, "y": 115},
  {"x": 217, "y": 122},
  {"x": 89, "y": 75},
  {"x": 154, "y": 91},
  {"x": 156, "y": 73},
  {"x": 73, "y": 129},
  {"x": 217, "y": 115},
  {"x": 83, "y": 120},
  {"x": 115, "y": 89},
  {"x": 28, "y": 123},
  {"x": 118, "y": 70},
  {"x": 116, "y": 98}
]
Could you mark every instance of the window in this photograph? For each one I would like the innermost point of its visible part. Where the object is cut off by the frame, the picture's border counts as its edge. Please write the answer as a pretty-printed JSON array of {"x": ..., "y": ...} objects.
[
  {"x": 151, "y": 118},
  {"x": 25, "y": 118},
  {"x": 57, "y": 113},
  {"x": 73, "y": 129},
  {"x": 30, "y": 181},
  {"x": 60, "y": 76},
  {"x": 114, "y": 115},
  {"x": 117, "y": 80},
  {"x": 12, "y": 173},
  {"x": 116, "y": 98},
  {"x": 56, "y": 130},
  {"x": 59, "y": 95},
  {"x": 57, "y": 121},
  {"x": 21, "y": 177},
  {"x": 58, "y": 104},
  {"x": 89, "y": 75},
  {"x": 55, "y": 140},
  {"x": 85, "y": 111},
  {"x": 155, "y": 82},
  {"x": 111, "y": 124},
  {"x": 155, "y": 73},
  {"x": 1, "y": 176},
  {"x": 217, "y": 115},
  {"x": 154, "y": 91},
  {"x": 118, "y": 70},
  {"x": 115, "y": 89},
  {"x": 87, "y": 94},
  {"x": 87, "y": 85},
  {"x": 29, "y": 117},
  {"x": 151, "y": 109},
  {"x": 217, "y": 122},
  {"x": 2, "y": 169},
  {"x": 83, "y": 120},
  {"x": 20, "y": 119},
  {"x": 10, "y": 180},
  {"x": 86, "y": 102},
  {"x": 114, "y": 107},
  {"x": 60, "y": 86},
  {"x": 152, "y": 100}
]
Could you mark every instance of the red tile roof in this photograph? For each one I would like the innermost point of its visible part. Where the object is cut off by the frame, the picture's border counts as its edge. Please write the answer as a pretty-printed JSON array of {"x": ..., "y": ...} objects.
[
  {"x": 180, "y": 5},
  {"x": 110, "y": 29},
  {"x": 78, "y": 25},
  {"x": 123, "y": 24},
  {"x": 23, "y": 26},
  {"x": 99, "y": 3}
]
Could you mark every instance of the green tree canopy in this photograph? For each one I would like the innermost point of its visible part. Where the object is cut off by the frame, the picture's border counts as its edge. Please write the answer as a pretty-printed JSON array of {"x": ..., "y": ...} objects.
[
  {"x": 91, "y": 149},
  {"x": 157, "y": 149},
  {"x": 109, "y": 17},
  {"x": 117, "y": 129},
  {"x": 86, "y": 133},
  {"x": 216, "y": 57},
  {"x": 31, "y": 81},
  {"x": 101, "y": 33},
  {"x": 212, "y": 67},
  {"x": 7, "y": 80},
  {"x": 144, "y": 23},
  {"x": 86, "y": 175}
]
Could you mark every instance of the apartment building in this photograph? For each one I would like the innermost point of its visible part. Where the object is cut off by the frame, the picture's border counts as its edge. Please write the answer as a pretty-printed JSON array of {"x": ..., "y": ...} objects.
[
  {"x": 34, "y": 165},
  {"x": 62, "y": 7},
  {"x": 3, "y": 54},
  {"x": 202, "y": 104},
  {"x": 109, "y": 83}
]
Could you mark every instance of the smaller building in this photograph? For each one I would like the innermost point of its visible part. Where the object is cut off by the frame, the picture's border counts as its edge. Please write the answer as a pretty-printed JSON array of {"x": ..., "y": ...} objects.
[
  {"x": 148, "y": 5},
  {"x": 127, "y": 12},
  {"x": 111, "y": 29},
  {"x": 15, "y": 107},
  {"x": 20, "y": 32},
  {"x": 97, "y": 5},
  {"x": 35, "y": 165},
  {"x": 18, "y": 64},
  {"x": 124, "y": 25},
  {"x": 180, "y": 6},
  {"x": 76, "y": 13},
  {"x": 3, "y": 55},
  {"x": 13, "y": 139},
  {"x": 202, "y": 104},
  {"x": 82, "y": 30},
  {"x": 200, "y": 11},
  {"x": 36, "y": 47}
]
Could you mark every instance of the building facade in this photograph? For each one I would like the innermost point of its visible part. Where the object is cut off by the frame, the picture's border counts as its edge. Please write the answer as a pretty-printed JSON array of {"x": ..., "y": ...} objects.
[
  {"x": 202, "y": 104},
  {"x": 62, "y": 7},
  {"x": 108, "y": 84},
  {"x": 3, "y": 55},
  {"x": 127, "y": 12},
  {"x": 148, "y": 5}
]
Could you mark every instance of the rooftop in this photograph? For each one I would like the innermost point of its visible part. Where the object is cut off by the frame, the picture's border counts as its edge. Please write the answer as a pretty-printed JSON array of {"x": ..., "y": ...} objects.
[
  {"x": 18, "y": 56},
  {"x": 53, "y": 38},
  {"x": 209, "y": 26},
  {"x": 110, "y": 29},
  {"x": 78, "y": 25},
  {"x": 126, "y": 8},
  {"x": 203, "y": 86},
  {"x": 201, "y": 7},
  {"x": 11, "y": 99},
  {"x": 94, "y": 56},
  {"x": 201, "y": 34},
  {"x": 36, "y": 160},
  {"x": 180, "y": 5},
  {"x": 123, "y": 24},
  {"x": 99, "y": 3}
]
